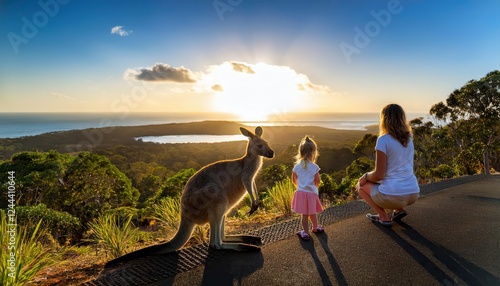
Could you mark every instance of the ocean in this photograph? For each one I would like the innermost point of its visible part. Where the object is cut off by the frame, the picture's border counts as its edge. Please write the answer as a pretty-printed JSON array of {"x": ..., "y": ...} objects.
[{"x": 15, "y": 125}]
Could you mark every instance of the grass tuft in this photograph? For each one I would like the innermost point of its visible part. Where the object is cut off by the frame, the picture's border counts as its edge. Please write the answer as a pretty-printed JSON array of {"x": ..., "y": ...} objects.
[
  {"x": 281, "y": 196},
  {"x": 115, "y": 235},
  {"x": 168, "y": 211},
  {"x": 21, "y": 252}
]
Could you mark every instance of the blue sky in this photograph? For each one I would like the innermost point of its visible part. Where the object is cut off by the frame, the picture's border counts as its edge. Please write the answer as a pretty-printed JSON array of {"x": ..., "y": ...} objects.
[{"x": 252, "y": 58}]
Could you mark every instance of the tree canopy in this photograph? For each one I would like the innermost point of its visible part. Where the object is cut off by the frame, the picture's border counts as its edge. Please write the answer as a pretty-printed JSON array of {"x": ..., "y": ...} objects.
[
  {"x": 472, "y": 113},
  {"x": 84, "y": 185}
]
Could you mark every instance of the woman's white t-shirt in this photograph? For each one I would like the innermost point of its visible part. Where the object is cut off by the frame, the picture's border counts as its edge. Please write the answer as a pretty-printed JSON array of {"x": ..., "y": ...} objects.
[
  {"x": 305, "y": 177},
  {"x": 399, "y": 177}
]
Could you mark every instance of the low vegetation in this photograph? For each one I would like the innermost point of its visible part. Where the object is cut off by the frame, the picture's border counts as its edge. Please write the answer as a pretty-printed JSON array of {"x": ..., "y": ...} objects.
[
  {"x": 280, "y": 196},
  {"x": 168, "y": 211},
  {"x": 114, "y": 233},
  {"x": 22, "y": 252}
]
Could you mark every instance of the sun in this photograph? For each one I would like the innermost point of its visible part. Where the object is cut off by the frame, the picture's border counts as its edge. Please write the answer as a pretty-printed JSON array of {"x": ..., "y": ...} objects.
[{"x": 254, "y": 92}]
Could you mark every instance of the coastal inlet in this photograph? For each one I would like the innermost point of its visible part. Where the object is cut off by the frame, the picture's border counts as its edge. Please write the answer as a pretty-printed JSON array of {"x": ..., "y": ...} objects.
[{"x": 174, "y": 139}]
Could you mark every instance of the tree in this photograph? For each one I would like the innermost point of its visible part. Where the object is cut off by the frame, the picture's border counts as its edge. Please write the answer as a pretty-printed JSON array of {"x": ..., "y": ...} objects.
[
  {"x": 83, "y": 186},
  {"x": 422, "y": 142},
  {"x": 175, "y": 184},
  {"x": 38, "y": 174},
  {"x": 138, "y": 171},
  {"x": 328, "y": 185},
  {"x": 149, "y": 186},
  {"x": 473, "y": 111},
  {"x": 433, "y": 146},
  {"x": 272, "y": 175},
  {"x": 366, "y": 146},
  {"x": 352, "y": 173},
  {"x": 94, "y": 185}
]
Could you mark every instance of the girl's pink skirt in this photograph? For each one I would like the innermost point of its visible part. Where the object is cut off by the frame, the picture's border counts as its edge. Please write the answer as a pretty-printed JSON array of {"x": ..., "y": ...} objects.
[{"x": 306, "y": 203}]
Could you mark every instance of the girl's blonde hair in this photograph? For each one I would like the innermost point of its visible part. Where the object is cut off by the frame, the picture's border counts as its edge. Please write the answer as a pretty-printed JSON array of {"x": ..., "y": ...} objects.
[
  {"x": 308, "y": 152},
  {"x": 393, "y": 122}
]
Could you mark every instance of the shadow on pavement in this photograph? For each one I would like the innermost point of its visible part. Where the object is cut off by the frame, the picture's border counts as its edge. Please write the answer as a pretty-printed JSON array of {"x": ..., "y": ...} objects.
[
  {"x": 232, "y": 268},
  {"x": 467, "y": 271},
  {"x": 323, "y": 240},
  {"x": 159, "y": 268}
]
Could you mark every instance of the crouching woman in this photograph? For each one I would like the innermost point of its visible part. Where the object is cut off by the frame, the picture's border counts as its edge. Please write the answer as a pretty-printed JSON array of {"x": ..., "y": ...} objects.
[{"x": 392, "y": 185}]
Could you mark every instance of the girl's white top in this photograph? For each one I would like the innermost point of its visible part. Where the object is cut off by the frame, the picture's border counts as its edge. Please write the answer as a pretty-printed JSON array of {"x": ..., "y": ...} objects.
[
  {"x": 399, "y": 178},
  {"x": 305, "y": 177}
]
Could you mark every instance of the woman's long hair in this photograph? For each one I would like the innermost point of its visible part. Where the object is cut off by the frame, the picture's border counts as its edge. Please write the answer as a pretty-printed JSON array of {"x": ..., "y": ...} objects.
[{"x": 393, "y": 122}]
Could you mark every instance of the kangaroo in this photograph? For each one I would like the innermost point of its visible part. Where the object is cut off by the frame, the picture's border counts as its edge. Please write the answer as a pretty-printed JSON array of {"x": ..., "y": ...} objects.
[{"x": 209, "y": 195}]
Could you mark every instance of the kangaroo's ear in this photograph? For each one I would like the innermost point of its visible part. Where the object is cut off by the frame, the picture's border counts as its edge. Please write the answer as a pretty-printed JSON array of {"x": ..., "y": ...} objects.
[
  {"x": 246, "y": 132},
  {"x": 258, "y": 131}
]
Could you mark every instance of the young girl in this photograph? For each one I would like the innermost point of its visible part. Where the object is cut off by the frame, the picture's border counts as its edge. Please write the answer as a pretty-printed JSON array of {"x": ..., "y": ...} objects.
[{"x": 305, "y": 176}]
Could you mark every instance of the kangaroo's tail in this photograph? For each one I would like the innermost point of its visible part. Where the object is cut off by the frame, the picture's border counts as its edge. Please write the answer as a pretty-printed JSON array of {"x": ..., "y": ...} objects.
[{"x": 181, "y": 237}]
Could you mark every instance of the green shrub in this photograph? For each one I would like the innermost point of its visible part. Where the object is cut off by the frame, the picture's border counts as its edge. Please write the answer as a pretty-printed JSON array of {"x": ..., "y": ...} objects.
[
  {"x": 59, "y": 224},
  {"x": 22, "y": 242},
  {"x": 175, "y": 184},
  {"x": 327, "y": 186},
  {"x": 281, "y": 196},
  {"x": 443, "y": 171},
  {"x": 115, "y": 234}
]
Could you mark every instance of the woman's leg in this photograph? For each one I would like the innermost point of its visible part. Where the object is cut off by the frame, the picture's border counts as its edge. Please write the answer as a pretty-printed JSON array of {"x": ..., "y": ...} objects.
[
  {"x": 364, "y": 192},
  {"x": 305, "y": 223}
]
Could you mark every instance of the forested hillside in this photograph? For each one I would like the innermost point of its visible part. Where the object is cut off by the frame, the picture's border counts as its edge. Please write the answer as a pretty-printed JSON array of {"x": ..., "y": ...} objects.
[{"x": 122, "y": 174}]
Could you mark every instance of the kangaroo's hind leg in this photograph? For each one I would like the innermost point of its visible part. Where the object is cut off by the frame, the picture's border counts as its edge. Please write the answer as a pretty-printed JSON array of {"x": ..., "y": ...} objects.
[
  {"x": 248, "y": 239},
  {"x": 217, "y": 234}
]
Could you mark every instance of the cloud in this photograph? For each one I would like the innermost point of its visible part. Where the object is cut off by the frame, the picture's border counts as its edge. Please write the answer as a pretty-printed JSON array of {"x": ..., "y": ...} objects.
[
  {"x": 61, "y": 96},
  {"x": 120, "y": 31},
  {"x": 309, "y": 86},
  {"x": 217, "y": 88},
  {"x": 161, "y": 73},
  {"x": 241, "y": 67},
  {"x": 232, "y": 77}
]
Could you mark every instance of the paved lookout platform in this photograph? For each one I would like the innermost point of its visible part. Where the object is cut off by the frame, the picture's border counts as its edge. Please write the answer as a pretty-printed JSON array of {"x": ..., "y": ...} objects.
[{"x": 451, "y": 236}]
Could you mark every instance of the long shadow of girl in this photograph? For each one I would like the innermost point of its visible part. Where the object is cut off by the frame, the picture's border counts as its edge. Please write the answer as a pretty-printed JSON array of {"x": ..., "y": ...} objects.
[{"x": 323, "y": 240}]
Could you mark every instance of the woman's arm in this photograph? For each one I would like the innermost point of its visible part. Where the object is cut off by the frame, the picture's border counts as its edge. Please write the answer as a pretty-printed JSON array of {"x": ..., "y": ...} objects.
[
  {"x": 380, "y": 167},
  {"x": 379, "y": 172}
]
